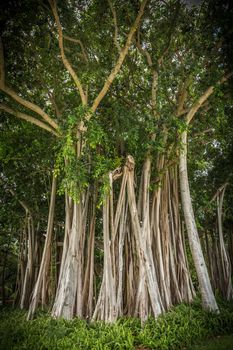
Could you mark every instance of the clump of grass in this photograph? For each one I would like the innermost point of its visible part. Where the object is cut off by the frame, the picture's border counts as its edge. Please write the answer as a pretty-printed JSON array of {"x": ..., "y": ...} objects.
[{"x": 181, "y": 327}]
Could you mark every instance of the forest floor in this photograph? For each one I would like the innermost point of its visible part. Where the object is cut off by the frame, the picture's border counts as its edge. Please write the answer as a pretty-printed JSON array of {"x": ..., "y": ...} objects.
[
  {"x": 218, "y": 343},
  {"x": 180, "y": 328}
]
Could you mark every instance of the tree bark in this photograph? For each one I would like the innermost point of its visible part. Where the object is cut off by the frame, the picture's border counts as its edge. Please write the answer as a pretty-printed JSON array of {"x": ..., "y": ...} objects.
[
  {"x": 44, "y": 266},
  {"x": 208, "y": 299}
]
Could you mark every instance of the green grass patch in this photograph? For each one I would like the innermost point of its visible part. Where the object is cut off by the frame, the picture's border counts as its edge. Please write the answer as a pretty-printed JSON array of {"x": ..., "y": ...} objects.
[{"x": 180, "y": 328}]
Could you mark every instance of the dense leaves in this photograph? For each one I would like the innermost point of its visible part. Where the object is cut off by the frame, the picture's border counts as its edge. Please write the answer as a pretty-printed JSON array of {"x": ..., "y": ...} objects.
[{"x": 181, "y": 327}]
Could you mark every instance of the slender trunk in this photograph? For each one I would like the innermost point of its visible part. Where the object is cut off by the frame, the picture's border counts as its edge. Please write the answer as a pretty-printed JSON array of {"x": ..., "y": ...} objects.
[
  {"x": 108, "y": 306},
  {"x": 143, "y": 240},
  {"x": 29, "y": 276},
  {"x": 87, "y": 293},
  {"x": 208, "y": 299},
  {"x": 44, "y": 266},
  {"x": 3, "y": 277},
  {"x": 183, "y": 277},
  {"x": 226, "y": 286}
]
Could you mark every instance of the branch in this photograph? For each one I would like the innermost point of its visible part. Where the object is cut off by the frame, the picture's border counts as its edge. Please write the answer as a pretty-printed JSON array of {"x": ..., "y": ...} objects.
[
  {"x": 155, "y": 77},
  {"x": 54, "y": 104},
  {"x": 171, "y": 31},
  {"x": 33, "y": 107},
  {"x": 77, "y": 41},
  {"x": 28, "y": 118},
  {"x": 12, "y": 192},
  {"x": 120, "y": 60},
  {"x": 203, "y": 132},
  {"x": 182, "y": 95},
  {"x": 19, "y": 99},
  {"x": 204, "y": 97},
  {"x": 219, "y": 190},
  {"x": 115, "y": 26},
  {"x": 143, "y": 51},
  {"x": 22, "y": 203},
  {"x": 65, "y": 61},
  {"x": 167, "y": 46}
]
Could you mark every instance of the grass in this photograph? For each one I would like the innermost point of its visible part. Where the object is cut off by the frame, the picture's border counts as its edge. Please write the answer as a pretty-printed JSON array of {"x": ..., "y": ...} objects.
[{"x": 179, "y": 328}]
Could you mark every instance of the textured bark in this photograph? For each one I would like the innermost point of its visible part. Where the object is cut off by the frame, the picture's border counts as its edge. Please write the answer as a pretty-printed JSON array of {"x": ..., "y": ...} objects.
[
  {"x": 30, "y": 273},
  {"x": 226, "y": 288},
  {"x": 88, "y": 292},
  {"x": 143, "y": 242},
  {"x": 68, "y": 292},
  {"x": 109, "y": 303},
  {"x": 208, "y": 299},
  {"x": 182, "y": 275},
  {"x": 45, "y": 261},
  {"x": 218, "y": 254}
]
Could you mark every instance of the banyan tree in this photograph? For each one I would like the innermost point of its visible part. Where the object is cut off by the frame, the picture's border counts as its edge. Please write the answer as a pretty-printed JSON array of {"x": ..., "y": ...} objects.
[{"x": 117, "y": 85}]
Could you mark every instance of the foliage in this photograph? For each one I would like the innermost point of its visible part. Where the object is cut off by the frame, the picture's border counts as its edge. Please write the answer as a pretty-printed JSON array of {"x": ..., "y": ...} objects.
[
  {"x": 182, "y": 326},
  {"x": 219, "y": 343}
]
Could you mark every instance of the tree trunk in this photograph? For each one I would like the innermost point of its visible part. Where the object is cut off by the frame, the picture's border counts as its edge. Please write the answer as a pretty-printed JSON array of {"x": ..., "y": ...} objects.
[
  {"x": 148, "y": 278},
  {"x": 44, "y": 266},
  {"x": 226, "y": 286},
  {"x": 70, "y": 274},
  {"x": 4, "y": 263},
  {"x": 208, "y": 299},
  {"x": 29, "y": 276}
]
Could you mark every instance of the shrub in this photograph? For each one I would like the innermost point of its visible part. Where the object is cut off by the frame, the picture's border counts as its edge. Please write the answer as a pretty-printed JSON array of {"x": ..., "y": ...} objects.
[{"x": 180, "y": 327}]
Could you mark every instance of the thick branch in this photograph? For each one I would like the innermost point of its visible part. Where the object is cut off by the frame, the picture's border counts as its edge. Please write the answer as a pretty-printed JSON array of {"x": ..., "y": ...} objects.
[
  {"x": 154, "y": 87},
  {"x": 28, "y": 118},
  {"x": 204, "y": 97},
  {"x": 19, "y": 99},
  {"x": 65, "y": 61},
  {"x": 33, "y": 107},
  {"x": 120, "y": 60},
  {"x": 182, "y": 95}
]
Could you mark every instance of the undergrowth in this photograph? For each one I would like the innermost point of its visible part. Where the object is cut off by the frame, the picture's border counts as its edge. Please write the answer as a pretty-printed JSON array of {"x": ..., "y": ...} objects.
[{"x": 181, "y": 327}]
